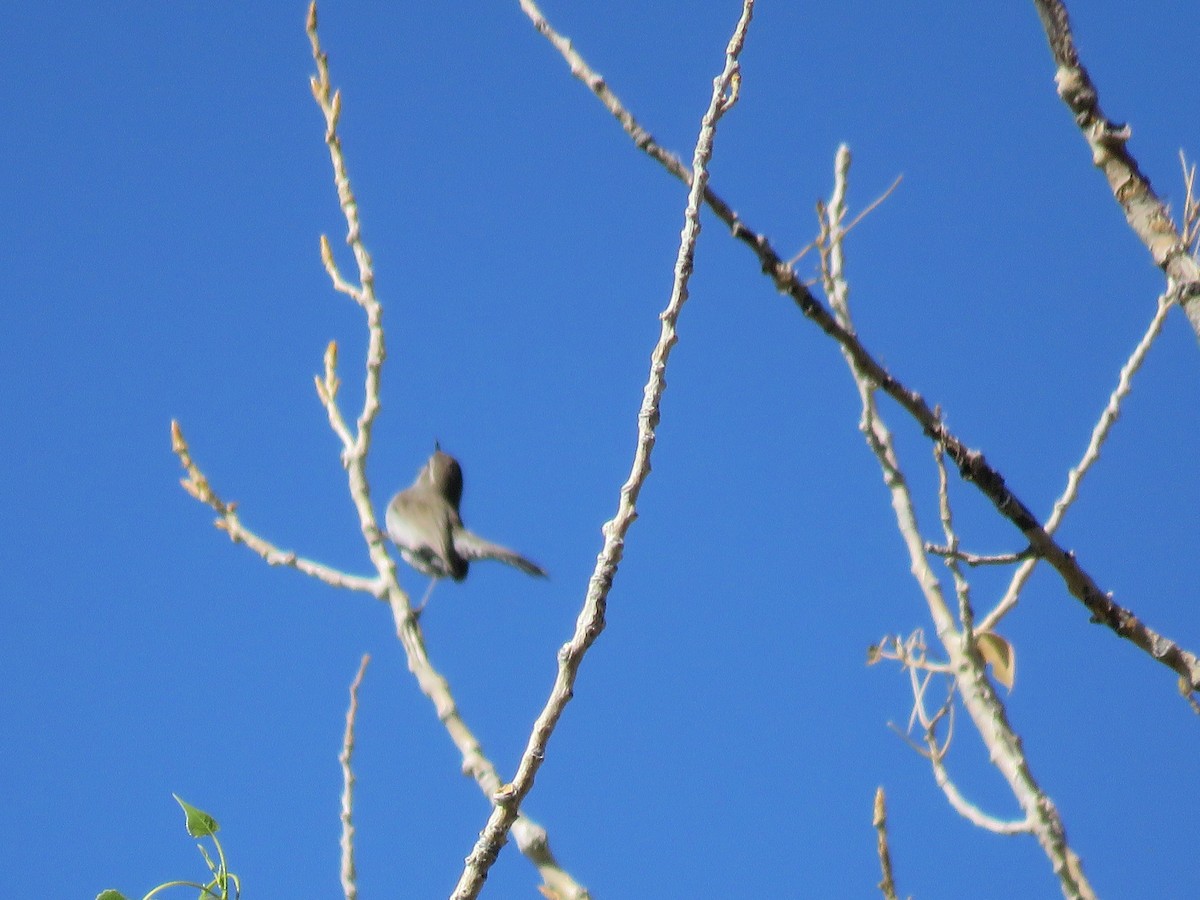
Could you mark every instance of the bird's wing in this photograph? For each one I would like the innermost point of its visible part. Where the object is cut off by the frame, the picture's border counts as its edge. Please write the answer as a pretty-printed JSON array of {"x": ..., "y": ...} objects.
[{"x": 431, "y": 554}]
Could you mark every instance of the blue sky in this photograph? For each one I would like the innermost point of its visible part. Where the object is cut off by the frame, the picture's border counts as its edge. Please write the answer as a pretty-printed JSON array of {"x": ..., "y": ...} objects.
[{"x": 166, "y": 183}]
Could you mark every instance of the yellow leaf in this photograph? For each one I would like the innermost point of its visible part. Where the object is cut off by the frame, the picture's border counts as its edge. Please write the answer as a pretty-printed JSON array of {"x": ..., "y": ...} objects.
[{"x": 1000, "y": 655}]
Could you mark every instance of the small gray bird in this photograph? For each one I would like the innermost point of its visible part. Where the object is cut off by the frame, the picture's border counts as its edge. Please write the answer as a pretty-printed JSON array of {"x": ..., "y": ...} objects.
[{"x": 424, "y": 522}]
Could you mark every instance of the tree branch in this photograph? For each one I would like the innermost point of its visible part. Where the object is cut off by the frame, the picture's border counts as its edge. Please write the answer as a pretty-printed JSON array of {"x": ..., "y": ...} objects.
[
  {"x": 348, "y": 875},
  {"x": 591, "y": 618},
  {"x": 531, "y": 837},
  {"x": 1147, "y": 215},
  {"x": 968, "y": 669},
  {"x": 971, "y": 464}
]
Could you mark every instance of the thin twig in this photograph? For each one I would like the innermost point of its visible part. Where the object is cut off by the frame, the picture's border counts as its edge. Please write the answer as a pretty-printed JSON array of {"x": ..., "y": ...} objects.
[
  {"x": 591, "y": 618},
  {"x": 970, "y": 811},
  {"x": 975, "y": 560},
  {"x": 1191, "y": 207},
  {"x": 870, "y": 208},
  {"x": 1100, "y": 433},
  {"x": 228, "y": 521},
  {"x": 873, "y": 205},
  {"x": 935, "y": 751},
  {"x": 349, "y": 885},
  {"x": 962, "y": 587},
  {"x": 887, "y": 884}
]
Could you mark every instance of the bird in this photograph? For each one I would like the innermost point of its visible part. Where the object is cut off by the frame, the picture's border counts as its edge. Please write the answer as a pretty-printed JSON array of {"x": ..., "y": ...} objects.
[{"x": 424, "y": 523}]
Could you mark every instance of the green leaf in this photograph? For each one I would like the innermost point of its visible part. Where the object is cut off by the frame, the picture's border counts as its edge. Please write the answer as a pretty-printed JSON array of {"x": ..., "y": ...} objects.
[
  {"x": 199, "y": 823},
  {"x": 110, "y": 894}
]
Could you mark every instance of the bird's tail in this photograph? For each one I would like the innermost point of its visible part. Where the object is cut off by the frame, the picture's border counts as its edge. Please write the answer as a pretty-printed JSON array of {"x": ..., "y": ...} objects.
[{"x": 471, "y": 546}]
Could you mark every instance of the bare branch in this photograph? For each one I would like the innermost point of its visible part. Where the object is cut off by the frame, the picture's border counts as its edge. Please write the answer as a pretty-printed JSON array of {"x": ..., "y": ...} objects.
[
  {"x": 1146, "y": 214},
  {"x": 591, "y": 618},
  {"x": 970, "y": 811},
  {"x": 935, "y": 751},
  {"x": 968, "y": 668},
  {"x": 874, "y": 204},
  {"x": 962, "y": 587},
  {"x": 887, "y": 884},
  {"x": 1100, "y": 434},
  {"x": 1191, "y": 207},
  {"x": 354, "y": 456},
  {"x": 198, "y": 486},
  {"x": 978, "y": 559},
  {"x": 870, "y": 208},
  {"x": 971, "y": 464},
  {"x": 349, "y": 885},
  {"x": 531, "y": 837}
]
